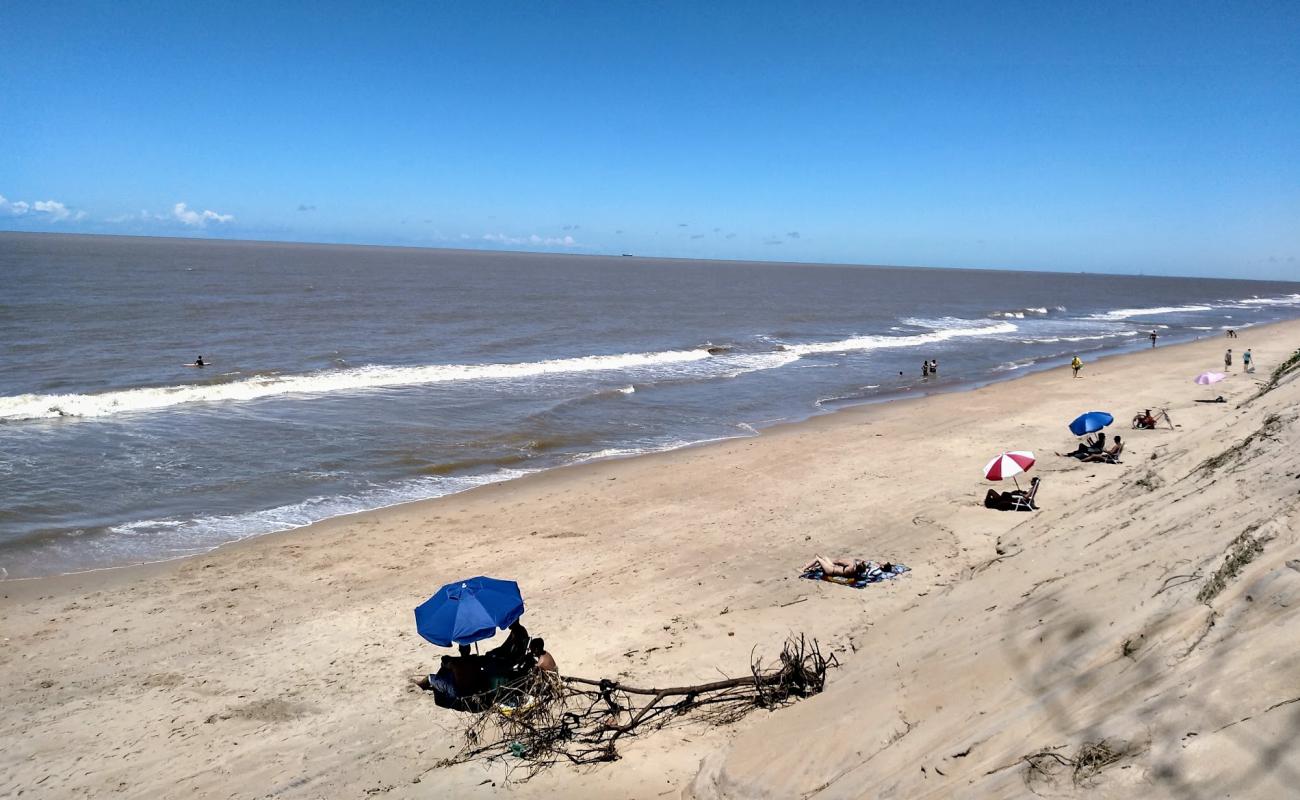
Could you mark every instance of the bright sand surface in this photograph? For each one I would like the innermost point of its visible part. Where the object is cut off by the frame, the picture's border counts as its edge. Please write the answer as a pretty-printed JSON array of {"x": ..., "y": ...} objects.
[{"x": 278, "y": 667}]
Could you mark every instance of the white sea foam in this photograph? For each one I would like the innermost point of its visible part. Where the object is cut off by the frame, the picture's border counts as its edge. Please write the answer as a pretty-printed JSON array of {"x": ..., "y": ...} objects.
[
  {"x": 1285, "y": 300},
  {"x": 356, "y": 379},
  {"x": 43, "y": 406},
  {"x": 1087, "y": 338},
  {"x": 179, "y": 537},
  {"x": 629, "y": 389},
  {"x": 947, "y": 328},
  {"x": 627, "y": 452},
  {"x": 1247, "y": 303},
  {"x": 1129, "y": 313},
  {"x": 1021, "y": 313},
  {"x": 1011, "y": 366}
]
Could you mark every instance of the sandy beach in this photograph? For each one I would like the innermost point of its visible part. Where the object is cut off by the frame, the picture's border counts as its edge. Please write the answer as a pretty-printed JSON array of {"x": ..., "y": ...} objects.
[{"x": 1096, "y": 647}]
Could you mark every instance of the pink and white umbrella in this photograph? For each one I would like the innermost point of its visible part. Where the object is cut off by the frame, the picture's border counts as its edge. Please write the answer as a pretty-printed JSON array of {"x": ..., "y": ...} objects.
[
  {"x": 1008, "y": 465},
  {"x": 1207, "y": 378}
]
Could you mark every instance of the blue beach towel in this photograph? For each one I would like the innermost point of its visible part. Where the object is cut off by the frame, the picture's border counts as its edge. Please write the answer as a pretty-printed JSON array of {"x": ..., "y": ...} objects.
[{"x": 874, "y": 575}]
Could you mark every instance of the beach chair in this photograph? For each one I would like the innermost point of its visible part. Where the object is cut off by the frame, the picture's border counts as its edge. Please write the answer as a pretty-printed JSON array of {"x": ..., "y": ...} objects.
[
  {"x": 1112, "y": 458},
  {"x": 1024, "y": 501}
]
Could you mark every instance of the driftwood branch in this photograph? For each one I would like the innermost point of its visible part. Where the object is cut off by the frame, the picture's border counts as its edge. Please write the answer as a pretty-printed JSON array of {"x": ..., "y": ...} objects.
[{"x": 546, "y": 719}]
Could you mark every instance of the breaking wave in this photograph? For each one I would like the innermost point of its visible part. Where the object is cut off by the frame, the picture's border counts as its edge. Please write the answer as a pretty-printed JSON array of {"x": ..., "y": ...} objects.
[
  {"x": 1021, "y": 313},
  {"x": 1129, "y": 313},
  {"x": 947, "y": 328},
  {"x": 45, "y": 406},
  {"x": 354, "y": 379}
]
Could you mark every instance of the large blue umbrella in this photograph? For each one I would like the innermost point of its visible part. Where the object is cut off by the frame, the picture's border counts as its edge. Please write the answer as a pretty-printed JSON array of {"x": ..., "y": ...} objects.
[
  {"x": 468, "y": 611},
  {"x": 1091, "y": 422}
]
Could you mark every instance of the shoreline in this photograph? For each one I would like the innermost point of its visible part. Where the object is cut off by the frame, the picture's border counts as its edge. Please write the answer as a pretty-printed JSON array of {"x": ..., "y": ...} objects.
[
  {"x": 819, "y": 412},
  {"x": 278, "y": 665}
]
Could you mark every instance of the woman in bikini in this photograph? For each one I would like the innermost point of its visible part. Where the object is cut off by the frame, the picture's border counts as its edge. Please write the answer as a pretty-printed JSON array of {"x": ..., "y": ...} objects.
[{"x": 839, "y": 568}]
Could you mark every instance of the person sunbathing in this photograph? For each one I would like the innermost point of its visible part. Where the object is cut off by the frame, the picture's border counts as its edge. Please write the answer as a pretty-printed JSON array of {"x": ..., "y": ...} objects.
[
  {"x": 1110, "y": 456},
  {"x": 839, "y": 568}
]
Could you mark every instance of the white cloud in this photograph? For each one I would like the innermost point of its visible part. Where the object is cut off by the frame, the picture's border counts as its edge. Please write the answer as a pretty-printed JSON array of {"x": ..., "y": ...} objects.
[
  {"x": 534, "y": 239},
  {"x": 14, "y": 209},
  {"x": 198, "y": 219},
  {"x": 53, "y": 210}
]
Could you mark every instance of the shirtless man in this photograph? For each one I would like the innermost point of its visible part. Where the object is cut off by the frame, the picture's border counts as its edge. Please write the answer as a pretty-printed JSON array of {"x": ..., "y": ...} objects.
[
  {"x": 839, "y": 568},
  {"x": 545, "y": 661},
  {"x": 1110, "y": 456}
]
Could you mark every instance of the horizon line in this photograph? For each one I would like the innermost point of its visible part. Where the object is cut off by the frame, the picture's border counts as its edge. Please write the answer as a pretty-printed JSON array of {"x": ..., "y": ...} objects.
[{"x": 834, "y": 264}]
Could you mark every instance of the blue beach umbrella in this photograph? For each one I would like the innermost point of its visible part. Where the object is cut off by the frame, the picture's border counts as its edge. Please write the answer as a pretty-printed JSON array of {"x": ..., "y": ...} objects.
[
  {"x": 468, "y": 611},
  {"x": 1091, "y": 422}
]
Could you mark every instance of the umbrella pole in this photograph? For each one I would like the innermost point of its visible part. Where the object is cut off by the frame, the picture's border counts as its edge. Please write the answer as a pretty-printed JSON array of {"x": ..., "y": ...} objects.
[{"x": 1017, "y": 483}]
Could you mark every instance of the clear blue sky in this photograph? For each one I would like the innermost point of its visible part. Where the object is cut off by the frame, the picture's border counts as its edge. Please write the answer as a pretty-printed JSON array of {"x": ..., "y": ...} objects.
[{"x": 1131, "y": 137}]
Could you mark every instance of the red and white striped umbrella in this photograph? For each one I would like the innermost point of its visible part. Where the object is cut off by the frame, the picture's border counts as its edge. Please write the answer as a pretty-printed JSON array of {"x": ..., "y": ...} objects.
[{"x": 1008, "y": 464}]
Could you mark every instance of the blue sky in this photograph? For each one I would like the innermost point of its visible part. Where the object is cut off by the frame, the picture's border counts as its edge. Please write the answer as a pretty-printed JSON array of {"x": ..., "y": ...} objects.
[{"x": 1157, "y": 138}]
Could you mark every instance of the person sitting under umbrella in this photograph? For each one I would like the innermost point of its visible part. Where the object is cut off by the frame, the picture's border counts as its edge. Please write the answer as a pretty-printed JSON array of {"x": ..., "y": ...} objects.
[
  {"x": 1110, "y": 456},
  {"x": 1006, "y": 501},
  {"x": 458, "y": 677},
  {"x": 514, "y": 648},
  {"x": 510, "y": 660},
  {"x": 1088, "y": 447},
  {"x": 545, "y": 661}
]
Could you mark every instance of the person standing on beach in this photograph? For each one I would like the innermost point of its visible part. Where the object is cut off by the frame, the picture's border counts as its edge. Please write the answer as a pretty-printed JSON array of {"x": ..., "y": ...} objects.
[
  {"x": 1227, "y": 359},
  {"x": 1076, "y": 365},
  {"x": 1153, "y": 338},
  {"x": 1245, "y": 361}
]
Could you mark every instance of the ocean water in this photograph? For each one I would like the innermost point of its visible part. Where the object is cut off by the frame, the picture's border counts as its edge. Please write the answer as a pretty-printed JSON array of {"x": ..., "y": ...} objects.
[{"x": 349, "y": 378}]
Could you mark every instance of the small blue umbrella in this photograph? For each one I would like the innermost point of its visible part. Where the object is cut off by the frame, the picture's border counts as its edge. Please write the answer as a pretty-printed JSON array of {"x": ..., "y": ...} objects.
[
  {"x": 468, "y": 611},
  {"x": 1091, "y": 422}
]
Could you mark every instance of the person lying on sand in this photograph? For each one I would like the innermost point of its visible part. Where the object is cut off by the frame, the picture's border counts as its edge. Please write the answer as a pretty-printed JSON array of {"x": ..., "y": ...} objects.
[
  {"x": 839, "y": 568},
  {"x": 1111, "y": 456}
]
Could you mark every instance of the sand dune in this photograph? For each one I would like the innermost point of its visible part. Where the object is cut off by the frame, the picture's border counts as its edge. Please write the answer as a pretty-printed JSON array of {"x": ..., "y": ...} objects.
[{"x": 1138, "y": 634}]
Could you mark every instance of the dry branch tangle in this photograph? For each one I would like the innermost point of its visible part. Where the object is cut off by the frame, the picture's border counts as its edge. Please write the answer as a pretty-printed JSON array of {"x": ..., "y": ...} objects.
[{"x": 580, "y": 720}]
